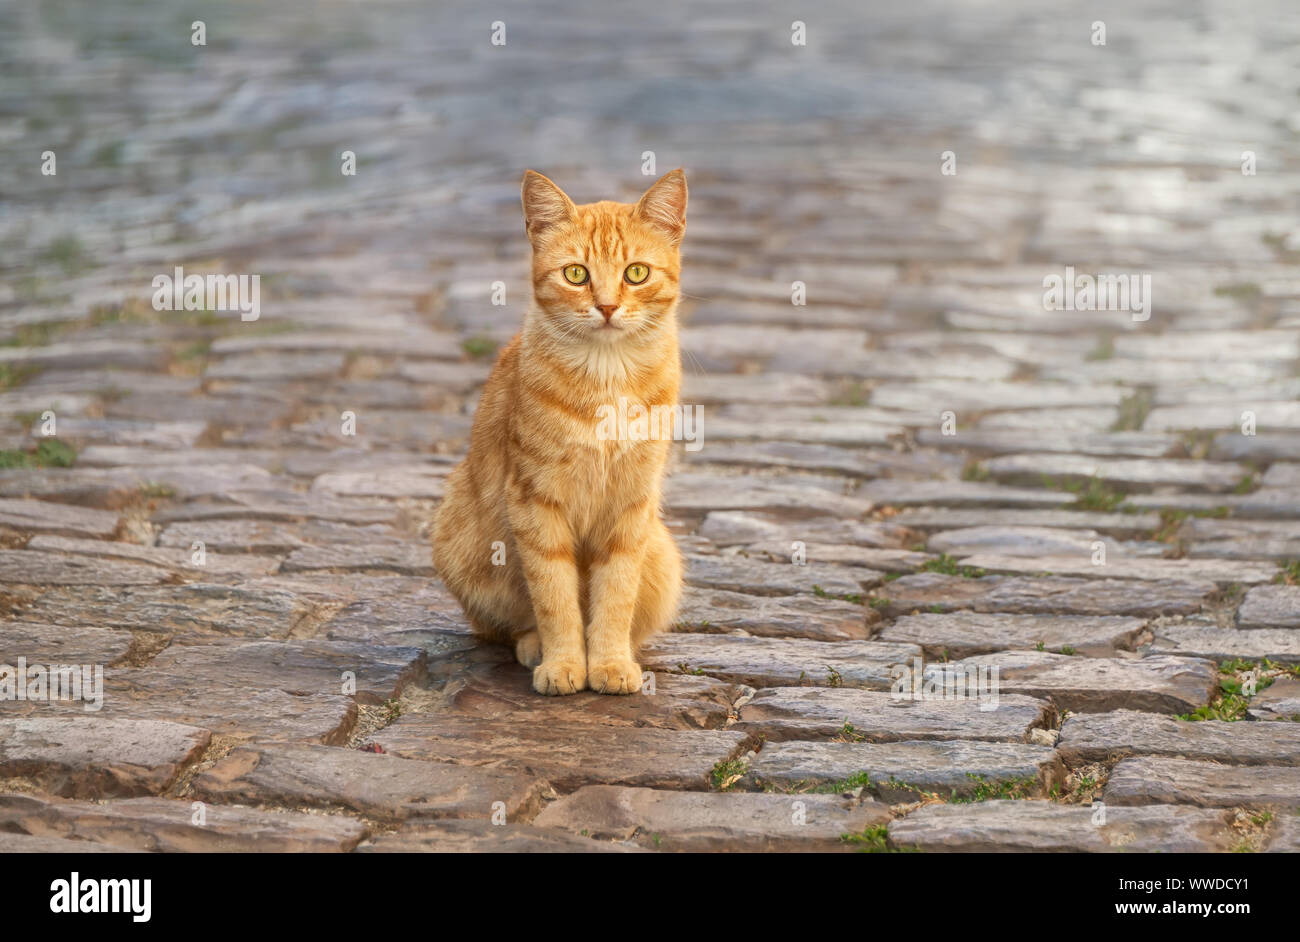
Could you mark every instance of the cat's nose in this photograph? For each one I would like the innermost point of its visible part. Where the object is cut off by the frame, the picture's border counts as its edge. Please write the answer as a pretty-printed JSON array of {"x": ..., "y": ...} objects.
[{"x": 607, "y": 310}]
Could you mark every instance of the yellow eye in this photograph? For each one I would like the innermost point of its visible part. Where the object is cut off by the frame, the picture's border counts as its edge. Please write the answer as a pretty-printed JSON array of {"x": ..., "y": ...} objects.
[
  {"x": 636, "y": 273},
  {"x": 575, "y": 274}
]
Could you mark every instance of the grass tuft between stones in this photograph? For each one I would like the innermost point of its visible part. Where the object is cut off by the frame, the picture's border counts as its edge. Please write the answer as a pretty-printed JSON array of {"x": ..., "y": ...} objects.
[
  {"x": 50, "y": 453},
  {"x": 874, "y": 839}
]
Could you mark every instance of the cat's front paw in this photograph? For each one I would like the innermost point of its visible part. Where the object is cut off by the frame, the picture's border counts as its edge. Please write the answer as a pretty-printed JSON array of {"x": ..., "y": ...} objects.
[
  {"x": 619, "y": 677},
  {"x": 557, "y": 678}
]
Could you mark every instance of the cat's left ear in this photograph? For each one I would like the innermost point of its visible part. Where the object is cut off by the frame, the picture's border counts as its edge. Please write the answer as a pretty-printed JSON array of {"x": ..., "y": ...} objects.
[{"x": 664, "y": 205}]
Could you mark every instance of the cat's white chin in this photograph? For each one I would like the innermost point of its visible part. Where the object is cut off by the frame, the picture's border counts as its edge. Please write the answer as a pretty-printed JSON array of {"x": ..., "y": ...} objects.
[{"x": 606, "y": 333}]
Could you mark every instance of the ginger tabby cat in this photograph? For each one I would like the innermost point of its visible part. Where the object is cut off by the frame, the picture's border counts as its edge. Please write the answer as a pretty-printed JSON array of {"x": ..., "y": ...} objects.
[{"x": 589, "y": 569}]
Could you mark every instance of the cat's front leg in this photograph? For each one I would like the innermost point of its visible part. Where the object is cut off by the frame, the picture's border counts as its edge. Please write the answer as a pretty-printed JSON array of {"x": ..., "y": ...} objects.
[
  {"x": 545, "y": 544},
  {"x": 615, "y": 579}
]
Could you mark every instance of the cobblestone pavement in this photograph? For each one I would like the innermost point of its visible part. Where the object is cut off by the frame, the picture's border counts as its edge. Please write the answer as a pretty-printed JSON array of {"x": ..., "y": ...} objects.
[{"x": 1099, "y": 526}]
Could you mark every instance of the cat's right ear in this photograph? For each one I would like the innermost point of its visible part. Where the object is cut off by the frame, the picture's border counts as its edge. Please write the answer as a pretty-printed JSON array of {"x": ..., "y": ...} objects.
[{"x": 545, "y": 205}]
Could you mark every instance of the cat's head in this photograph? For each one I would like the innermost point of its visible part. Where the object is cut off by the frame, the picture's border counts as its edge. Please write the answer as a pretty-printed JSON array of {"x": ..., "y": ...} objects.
[{"x": 605, "y": 272}]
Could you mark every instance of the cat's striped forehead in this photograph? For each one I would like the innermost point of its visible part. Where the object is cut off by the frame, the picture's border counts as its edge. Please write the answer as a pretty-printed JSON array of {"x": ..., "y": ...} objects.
[{"x": 609, "y": 231}]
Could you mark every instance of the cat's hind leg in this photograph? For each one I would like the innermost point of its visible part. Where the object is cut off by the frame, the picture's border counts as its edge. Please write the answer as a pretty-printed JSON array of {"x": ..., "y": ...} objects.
[
  {"x": 661, "y": 586},
  {"x": 473, "y": 563},
  {"x": 528, "y": 648}
]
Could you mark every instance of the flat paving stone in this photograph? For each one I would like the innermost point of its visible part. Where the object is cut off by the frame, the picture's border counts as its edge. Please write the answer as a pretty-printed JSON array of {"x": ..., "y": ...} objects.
[
  {"x": 1045, "y": 438},
  {"x": 180, "y": 564},
  {"x": 84, "y": 354},
  {"x": 400, "y": 622},
  {"x": 114, "y": 488},
  {"x": 1269, "y": 503},
  {"x": 420, "y": 481},
  {"x": 833, "y": 459},
  {"x": 792, "y": 432},
  {"x": 302, "y": 668},
  {"x": 1159, "y": 684},
  {"x": 567, "y": 755},
  {"x": 269, "y": 537},
  {"x": 1221, "y": 571},
  {"x": 965, "y": 633},
  {"x": 1149, "y": 781},
  {"x": 1278, "y": 701},
  {"x": 862, "y": 557},
  {"x": 223, "y": 609},
  {"x": 280, "y": 505},
  {"x": 171, "y": 826},
  {"x": 1284, "y": 835},
  {"x": 897, "y": 770},
  {"x": 98, "y": 757},
  {"x": 381, "y": 786},
  {"x": 1048, "y": 827},
  {"x": 784, "y": 713},
  {"x": 1099, "y": 737},
  {"x": 758, "y": 576},
  {"x": 715, "y": 610},
  {"x": 1270, "y": 606},
  {"x": 772, "y": 662},
  {"x": 734, "y": 527},
  {"x": 1117, "y": 525},
  {"x": 42, "y": 643},
  {"x": 210, "y": 700},
  {"x": 504, "y": 691},
  {"x": 1215, "y": 476},
  {"x": 42, "y": 516},
  {"x": 37, "y": 568},
  {"x": 29, "y": 844},
  {"x": 415, "y": 343},
  {"x": 705, "y": 821},
  {"x": 123, "y": 433},
  {"x": 410, "y": 558},
  {"x": 1055, "y": 595},
  {"x": 1258, "y": 548},
  {"x": 1224, "y": 644},
  {"x": 278, "y": 365},
  {"x": 702, "y": 493},
  {"x": 1019, "y": 541},
  {"x": 472, "y": 836},
  {"x": 961, "y": 494}
]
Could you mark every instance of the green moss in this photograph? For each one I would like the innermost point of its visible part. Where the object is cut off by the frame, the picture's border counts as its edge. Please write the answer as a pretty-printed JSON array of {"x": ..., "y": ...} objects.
[
  {"x": 874, "y": 839},
  {"x": 1104, "y": 350},
  {"x": 479, "y": 346},
  {"x": 49, "y": 453},
  {"x": 948, "y": 566},
  {"x": 35, "y": 335},
  {"x": 1092, "y": 494},
  {"x": 15, "y": 374},
  {"x": 850, "y": 393},
  {"x": 68, "y": 253},
  {"x": 995, "y": 791},
  {"x": 853, "y": 597},
  {"x": 727, "y": 772},
  {"x": 848, "y": 733},
  {"x": 1133, "y": 410},
  {"x": 153, "y": 489},
  {"x": 1243, "y": 291}
]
